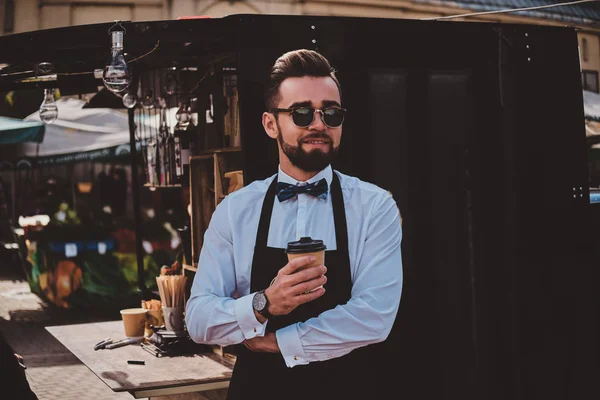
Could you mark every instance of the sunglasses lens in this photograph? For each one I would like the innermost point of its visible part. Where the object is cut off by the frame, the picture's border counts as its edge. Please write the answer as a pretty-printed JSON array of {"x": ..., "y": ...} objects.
[
  {"x": 303, "y": 117},
  {"x": 333, "y": 117}
]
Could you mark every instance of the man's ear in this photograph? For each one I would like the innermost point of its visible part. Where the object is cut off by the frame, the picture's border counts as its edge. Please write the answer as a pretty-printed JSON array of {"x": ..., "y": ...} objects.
[{"x": 270, "y": 125}]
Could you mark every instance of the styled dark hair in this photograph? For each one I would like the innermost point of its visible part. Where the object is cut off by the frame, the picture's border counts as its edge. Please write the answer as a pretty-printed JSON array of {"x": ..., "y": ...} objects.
[{"x": 297, "y": 63}]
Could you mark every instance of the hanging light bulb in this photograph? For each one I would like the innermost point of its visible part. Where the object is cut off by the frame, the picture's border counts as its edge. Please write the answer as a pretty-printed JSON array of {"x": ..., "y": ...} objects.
[
  {"x": 183, "y": 115},
  {"x": 148, "y": 100},
  {"x": 129, "y": 100},
  {"x": 182, "y": 141},
  {"x": 48, "y": 108},
  {"x": 116, "y": 75},
  {"x": 171, "y": 81},
  {"x": 161, "y": 102}
]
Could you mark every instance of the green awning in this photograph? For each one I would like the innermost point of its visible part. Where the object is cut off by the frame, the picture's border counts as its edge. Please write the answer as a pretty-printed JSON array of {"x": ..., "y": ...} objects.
[{"x": 14, "y": 131}]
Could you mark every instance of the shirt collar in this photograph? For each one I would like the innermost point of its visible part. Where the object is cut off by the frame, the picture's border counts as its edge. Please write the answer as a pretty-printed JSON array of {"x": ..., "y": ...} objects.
[{"x": 326, "y": 173}]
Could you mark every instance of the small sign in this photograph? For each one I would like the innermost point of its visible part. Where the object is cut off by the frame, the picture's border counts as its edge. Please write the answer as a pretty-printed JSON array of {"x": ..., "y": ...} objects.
[
  {"x": 70, "y": 250},
  {"x": 101, "y": 248}
]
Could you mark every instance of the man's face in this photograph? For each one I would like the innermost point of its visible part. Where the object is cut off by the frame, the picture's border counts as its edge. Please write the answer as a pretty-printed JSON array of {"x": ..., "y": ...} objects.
[{"x": 311, "y": 148}]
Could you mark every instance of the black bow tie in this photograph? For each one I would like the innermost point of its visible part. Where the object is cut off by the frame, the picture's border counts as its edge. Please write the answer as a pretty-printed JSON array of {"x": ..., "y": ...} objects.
[{"x": 286, "y": 191}]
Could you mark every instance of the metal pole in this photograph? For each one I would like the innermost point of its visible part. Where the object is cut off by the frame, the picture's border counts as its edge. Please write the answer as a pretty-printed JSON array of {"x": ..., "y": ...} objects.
[
  {"x": 73, "y": 192},
  {"x": 135, "y": 189},
  {"x": 13, "y": 196}
]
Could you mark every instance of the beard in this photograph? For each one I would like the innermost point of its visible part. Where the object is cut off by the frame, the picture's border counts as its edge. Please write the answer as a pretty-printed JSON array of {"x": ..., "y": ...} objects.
[{"x": 312, "y": 161}]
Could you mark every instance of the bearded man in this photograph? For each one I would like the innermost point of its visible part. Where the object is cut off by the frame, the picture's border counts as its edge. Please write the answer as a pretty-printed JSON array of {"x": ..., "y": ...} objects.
[{"x": 309, "y": 331}]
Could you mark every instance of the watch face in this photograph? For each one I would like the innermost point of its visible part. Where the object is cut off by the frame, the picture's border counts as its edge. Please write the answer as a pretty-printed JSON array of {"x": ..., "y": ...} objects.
[{"x": 259, "y": 301}]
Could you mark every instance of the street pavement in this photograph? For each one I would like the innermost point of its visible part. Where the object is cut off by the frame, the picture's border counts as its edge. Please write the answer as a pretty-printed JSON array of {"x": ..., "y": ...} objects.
[{"x": 52, "y": 371}]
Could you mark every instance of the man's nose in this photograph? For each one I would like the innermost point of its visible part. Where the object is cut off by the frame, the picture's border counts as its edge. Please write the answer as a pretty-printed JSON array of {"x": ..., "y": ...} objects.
[{"x": 317, "y": 123}]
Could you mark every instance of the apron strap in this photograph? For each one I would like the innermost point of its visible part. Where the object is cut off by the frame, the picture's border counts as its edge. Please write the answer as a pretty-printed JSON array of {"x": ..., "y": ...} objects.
[
  {"x": 265, "y": 216},
  {"x": 339, "y": 215}
]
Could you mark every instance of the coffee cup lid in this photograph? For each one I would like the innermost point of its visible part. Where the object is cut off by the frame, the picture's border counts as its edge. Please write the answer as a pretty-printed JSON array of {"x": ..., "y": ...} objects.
[{"x": 305, "y": 245}]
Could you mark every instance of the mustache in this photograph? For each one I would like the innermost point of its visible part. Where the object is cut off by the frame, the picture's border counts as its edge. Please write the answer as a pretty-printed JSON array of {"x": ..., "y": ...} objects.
[{"x": 313, "y": 136}]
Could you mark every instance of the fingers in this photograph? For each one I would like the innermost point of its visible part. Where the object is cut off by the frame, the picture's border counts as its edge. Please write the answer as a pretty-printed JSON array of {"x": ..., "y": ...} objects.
[
  {"x": 310, "y": 296},
  {"x": 294, "y": 279},
  {"x": 296, "y": 264},
  {"x": 307, "y": 274},
  {"x": 284, "y": 297},
  {"x": 250, "y": 343},
  {"x": 300, "y": 276},
  {"x": 309, "y": 285},
  {"x": 301, "y": 298},
  {"x": 267, "y": 343}
]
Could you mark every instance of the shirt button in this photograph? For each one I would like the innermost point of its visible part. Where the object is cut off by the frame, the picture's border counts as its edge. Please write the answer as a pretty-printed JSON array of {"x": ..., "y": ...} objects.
[
  {"x": 295, "y": 358},
  {"x": 254, "y": 330}
]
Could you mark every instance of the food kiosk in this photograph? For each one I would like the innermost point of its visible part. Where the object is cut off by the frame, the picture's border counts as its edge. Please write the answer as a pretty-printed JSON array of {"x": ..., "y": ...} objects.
[{"x": 475, "y": 128}]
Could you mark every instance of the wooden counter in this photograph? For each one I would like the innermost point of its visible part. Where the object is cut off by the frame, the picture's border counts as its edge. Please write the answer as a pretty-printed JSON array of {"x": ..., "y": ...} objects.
[{"x": 160, "y": 376}]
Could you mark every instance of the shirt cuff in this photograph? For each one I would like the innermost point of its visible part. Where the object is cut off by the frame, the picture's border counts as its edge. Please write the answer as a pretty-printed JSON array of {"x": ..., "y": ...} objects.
[
  {"x": 290, "y": 346},
  {"x": 244, "y": 314}
]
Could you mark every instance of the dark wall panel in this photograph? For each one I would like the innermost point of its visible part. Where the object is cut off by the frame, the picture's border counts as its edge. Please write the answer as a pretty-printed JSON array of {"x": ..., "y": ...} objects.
[{"x": 477, "y": 131}]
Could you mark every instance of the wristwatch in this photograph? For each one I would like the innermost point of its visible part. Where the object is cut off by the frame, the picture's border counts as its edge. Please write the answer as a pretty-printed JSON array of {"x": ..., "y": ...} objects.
[{"x": 261, "y": 304}]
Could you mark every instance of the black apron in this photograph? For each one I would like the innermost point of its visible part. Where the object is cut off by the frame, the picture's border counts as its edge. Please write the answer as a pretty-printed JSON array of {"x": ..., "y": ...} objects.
[{"x": 262, "y": 376}]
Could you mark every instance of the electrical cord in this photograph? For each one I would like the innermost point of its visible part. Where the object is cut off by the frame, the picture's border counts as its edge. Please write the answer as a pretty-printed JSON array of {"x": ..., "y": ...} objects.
[{"x": 509, "y": 10}]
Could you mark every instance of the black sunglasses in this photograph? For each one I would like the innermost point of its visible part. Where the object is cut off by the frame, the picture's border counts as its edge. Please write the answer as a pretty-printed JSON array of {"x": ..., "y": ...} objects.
[{"x": 304, "y": 116}]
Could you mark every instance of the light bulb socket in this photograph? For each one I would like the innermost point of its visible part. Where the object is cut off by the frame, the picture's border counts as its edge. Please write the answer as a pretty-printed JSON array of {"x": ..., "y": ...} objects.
[
  {"x": 117, "y": 39},
  {"x": 45, "y": 68}
]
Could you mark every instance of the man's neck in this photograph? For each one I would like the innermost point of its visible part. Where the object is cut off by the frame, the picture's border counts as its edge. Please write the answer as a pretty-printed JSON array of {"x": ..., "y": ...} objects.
[{"x": 295, "y": 172}]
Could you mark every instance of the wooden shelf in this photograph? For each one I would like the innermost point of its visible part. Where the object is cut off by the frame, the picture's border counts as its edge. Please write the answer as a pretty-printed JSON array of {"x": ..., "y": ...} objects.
[
  {"x": 190, "y": 268},
  {"x": 209, "y": 186},
  {"x": 189, "y": 271},
  {"x": 162, "y": 187},
  {"x": 222, "y": 150}
]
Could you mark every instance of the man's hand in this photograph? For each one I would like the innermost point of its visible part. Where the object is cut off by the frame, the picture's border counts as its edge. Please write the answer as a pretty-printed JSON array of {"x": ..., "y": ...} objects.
[
  {"x": 267, "y": 343},
  {"x": 296, "y": 284}
]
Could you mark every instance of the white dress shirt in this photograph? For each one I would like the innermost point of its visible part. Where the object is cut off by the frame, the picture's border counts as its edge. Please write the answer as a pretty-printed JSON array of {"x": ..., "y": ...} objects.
[{"x": 220, "y": 311}]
